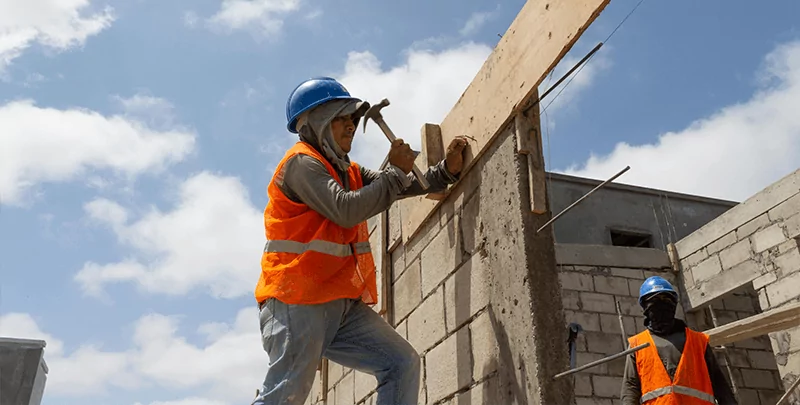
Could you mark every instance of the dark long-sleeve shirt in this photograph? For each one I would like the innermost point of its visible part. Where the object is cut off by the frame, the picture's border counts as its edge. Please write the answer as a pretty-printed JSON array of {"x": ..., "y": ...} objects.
[
  {"x": 669, "y": 349},
  {"x": 306, "y": 180}
]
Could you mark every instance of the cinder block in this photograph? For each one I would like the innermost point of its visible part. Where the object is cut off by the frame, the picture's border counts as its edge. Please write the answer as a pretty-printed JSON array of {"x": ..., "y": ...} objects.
[
  {"x": 633, "y": 287},
  {"x": 758, "y": 223},
  {"x": 402, "y": 329},
  {"x": 763, "y": 300},
  {"x": 762, "y": 360},
  {"x": 764, "y": 280},
  {"x": 610, "y": 324},
  {"x": 788, "y": 263},
  {"x": 767, "y": 238},
  {"x": 758, "y": 379},
  {"x": 583, "y": 358},
  {"x": 707, "y": 269},
  {"x": 792, "y": 226},
  {"x": 735, "y": 254},
  {"x": 748, "y": 396},
  {"x": 733, "y": 279},
  {"x": 398, "y": 262},
  {"x": 604, "y": 343},
  {"x": 485, "y": 351},
  {"x": 616, "y": 368},
  {"x": 606, "y": 387},
  {"x": 345, "y": 390},
  {"x": 466, "y": 292},
  {"x": 407, "y": 292},
  {"x": 629, "y": 306},
  {"x": 756, "y": 343},
  {"x": 738, "y": 357},
  {"x": 721, "y": 243},
  {"x": 570, "y": 299},
  {"x": 789, "y": 244},
  {"x": 773, "y": 396},
  {"x": 611, "y": 285},
  {"x": 598, "y": 302},
  {"x": 627, "y": 273},
  {"x": 440, "y": 259},
  {"x": 448, "y": 367},
  {"x": 694, "y": 259},
  {"x": 364, "y": 385},
  {"x": 426, "y": 323},
  {"x": 583, "y": 385},
  {"x": 576, "y": 281},
  {"x": 335, "y": 372},
  {"x": 784, "y": 289},
  {"x": 589, "y": 321},
  {"x": 786, "y": 209}
]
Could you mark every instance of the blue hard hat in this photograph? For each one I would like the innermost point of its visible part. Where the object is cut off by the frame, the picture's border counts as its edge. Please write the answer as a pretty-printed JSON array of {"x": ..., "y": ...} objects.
[
  {"x": 656, "y": 284},
  {"x": 310, "y": 94}
]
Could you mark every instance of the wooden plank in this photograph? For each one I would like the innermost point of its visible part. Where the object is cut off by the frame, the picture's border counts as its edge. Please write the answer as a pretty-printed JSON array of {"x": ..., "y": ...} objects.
[
  {"x": 541, "y": 34},
  {"x": 385, "y": 280},
  {"x": 431, "y": 143},
  {"x": 433, "y": 149},
  {"x": 764, "y": 323}
]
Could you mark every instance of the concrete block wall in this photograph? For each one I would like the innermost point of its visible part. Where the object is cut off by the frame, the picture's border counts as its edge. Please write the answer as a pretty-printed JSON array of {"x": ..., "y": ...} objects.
[
  {"x": 593, "y": 279},
  {"x": 752, "y": 361},
  {"x": 460, "y": 291},
  {"x": 754, "y": 244}
]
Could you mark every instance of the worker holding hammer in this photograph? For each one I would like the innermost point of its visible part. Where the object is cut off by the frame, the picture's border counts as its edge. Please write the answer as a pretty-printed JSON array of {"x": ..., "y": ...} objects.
[
  {"x": 679, "y": 367},
  {"x": 317, "y": 272}
]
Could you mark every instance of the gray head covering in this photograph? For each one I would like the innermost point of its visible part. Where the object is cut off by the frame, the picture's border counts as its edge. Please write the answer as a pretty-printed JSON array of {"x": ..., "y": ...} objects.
[{"x": 314, "y": 127}]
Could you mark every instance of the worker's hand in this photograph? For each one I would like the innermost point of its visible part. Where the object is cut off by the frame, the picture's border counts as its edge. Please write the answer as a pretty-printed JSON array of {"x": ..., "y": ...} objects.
[
  {"x": 454, "y": 159},
  {"x": 402, "y": 156}
]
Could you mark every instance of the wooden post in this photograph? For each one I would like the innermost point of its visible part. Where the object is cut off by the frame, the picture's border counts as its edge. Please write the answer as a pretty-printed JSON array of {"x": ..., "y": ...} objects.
[
  {"x": 433, "y": 150},
  {"x": 529, "y": 143}
]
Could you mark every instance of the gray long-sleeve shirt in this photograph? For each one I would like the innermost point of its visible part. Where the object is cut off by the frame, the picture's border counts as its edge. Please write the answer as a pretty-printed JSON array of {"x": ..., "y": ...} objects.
[
  {"x": 306, "y": 180},
  {"x": 669, "y": 349}
]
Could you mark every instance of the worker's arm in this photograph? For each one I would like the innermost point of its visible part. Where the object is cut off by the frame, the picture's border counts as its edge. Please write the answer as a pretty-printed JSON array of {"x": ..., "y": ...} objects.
[
  {"x": 438, "y": 177},
  {"x": 722, "y": 391},
  {"x": 307, "y": 180},
  {"x": 631, "y": 385}
]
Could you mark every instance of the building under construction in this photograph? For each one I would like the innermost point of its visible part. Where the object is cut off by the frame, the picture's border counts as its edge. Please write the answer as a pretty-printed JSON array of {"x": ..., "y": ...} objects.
[{"x": 488, "y": 279}]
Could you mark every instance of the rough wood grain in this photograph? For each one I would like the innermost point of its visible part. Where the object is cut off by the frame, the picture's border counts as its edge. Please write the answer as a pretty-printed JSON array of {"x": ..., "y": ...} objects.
[
  {"x": 541, "y": 34},
  {"x": 764, "y": 323},
  {"x": 432, "y": 153},
  {"x": 433, "y": 149}
]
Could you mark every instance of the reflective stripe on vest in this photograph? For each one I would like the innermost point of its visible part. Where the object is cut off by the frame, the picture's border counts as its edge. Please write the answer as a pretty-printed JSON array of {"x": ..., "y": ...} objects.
[
  {"x": 320, "y": 246},
  {"x": 678, "y": 389}
]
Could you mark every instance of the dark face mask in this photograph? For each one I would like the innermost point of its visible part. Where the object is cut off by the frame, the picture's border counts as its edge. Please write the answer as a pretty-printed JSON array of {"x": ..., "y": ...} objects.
[{"x": 660, "y": 315}]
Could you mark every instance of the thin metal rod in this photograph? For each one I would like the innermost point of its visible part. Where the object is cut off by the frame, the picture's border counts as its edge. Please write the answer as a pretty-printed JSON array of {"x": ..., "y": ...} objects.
[
  {"x": 621, "y": 324},
  {"x": 583, "y": 198},
  {"x": 603, "y": 360},
  {"x": 735, "y": 389},
  {"x": 788, "y": 393},
  {"x": 577, "y": 65}
]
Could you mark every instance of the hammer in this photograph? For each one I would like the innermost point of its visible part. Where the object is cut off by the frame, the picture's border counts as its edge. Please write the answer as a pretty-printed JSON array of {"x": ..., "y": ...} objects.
[{"x": 374, "y": 113}]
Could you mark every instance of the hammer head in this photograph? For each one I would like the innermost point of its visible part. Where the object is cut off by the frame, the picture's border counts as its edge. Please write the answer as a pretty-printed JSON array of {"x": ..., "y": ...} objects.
[{"x": 374, "y": 112}]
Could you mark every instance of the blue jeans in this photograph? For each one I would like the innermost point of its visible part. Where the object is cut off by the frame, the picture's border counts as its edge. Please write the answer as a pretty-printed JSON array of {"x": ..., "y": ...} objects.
[{"x": 345, "y": 331}]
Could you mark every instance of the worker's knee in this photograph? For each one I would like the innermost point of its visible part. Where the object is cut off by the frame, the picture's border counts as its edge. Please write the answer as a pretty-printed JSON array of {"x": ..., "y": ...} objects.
[{"x": 409, "y": 363}]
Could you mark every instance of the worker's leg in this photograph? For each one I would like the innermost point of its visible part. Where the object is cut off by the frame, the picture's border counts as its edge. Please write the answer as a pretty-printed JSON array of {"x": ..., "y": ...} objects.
[
  {"x": 367, "y": 343},
  {"x": 294, "y": 337}
]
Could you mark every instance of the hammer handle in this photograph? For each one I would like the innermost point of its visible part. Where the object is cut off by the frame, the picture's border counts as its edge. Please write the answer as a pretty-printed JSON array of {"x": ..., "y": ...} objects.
[{"x": 417, "y": 172}]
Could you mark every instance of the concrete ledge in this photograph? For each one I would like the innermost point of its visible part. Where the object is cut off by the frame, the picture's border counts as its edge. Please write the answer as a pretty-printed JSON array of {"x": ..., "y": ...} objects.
[
  {"x": 739, "y": 215},
  {"x": 611, "y": 256}
]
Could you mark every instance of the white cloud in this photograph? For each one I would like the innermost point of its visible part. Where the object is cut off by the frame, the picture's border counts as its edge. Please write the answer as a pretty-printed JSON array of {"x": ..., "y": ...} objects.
[
  {"x": 477, "y": 20},
  {"x": 263, "y": 16},
  {"x": 224, "y": 371},
  {"x": 211, "y": 240},
  {"x": 56, "y": 24},
  {"x": 41, "y": 145},
  {"x": 423, "y": 89},
  {"x": 731, "y": 154}
]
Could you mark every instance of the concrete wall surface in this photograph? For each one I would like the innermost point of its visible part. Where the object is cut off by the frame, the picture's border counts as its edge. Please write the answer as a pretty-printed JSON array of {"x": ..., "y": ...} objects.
[
  {"x": 665, "y": 215},
  {"x": 590, "y": 294},
  {"x": 461, "y": 292},
  {"x": 22, "y": 371},
  {"x": 753, "y": 245}
]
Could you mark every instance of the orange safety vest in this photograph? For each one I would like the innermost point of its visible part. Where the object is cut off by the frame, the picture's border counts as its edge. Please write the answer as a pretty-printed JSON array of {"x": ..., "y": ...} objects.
[
  {"x": 309, "y": 259},
  {"x": 692, "y": 385}
]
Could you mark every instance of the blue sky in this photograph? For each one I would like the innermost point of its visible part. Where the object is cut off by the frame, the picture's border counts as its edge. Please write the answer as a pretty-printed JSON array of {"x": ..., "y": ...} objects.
[{"x": 137, "y": 139}]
